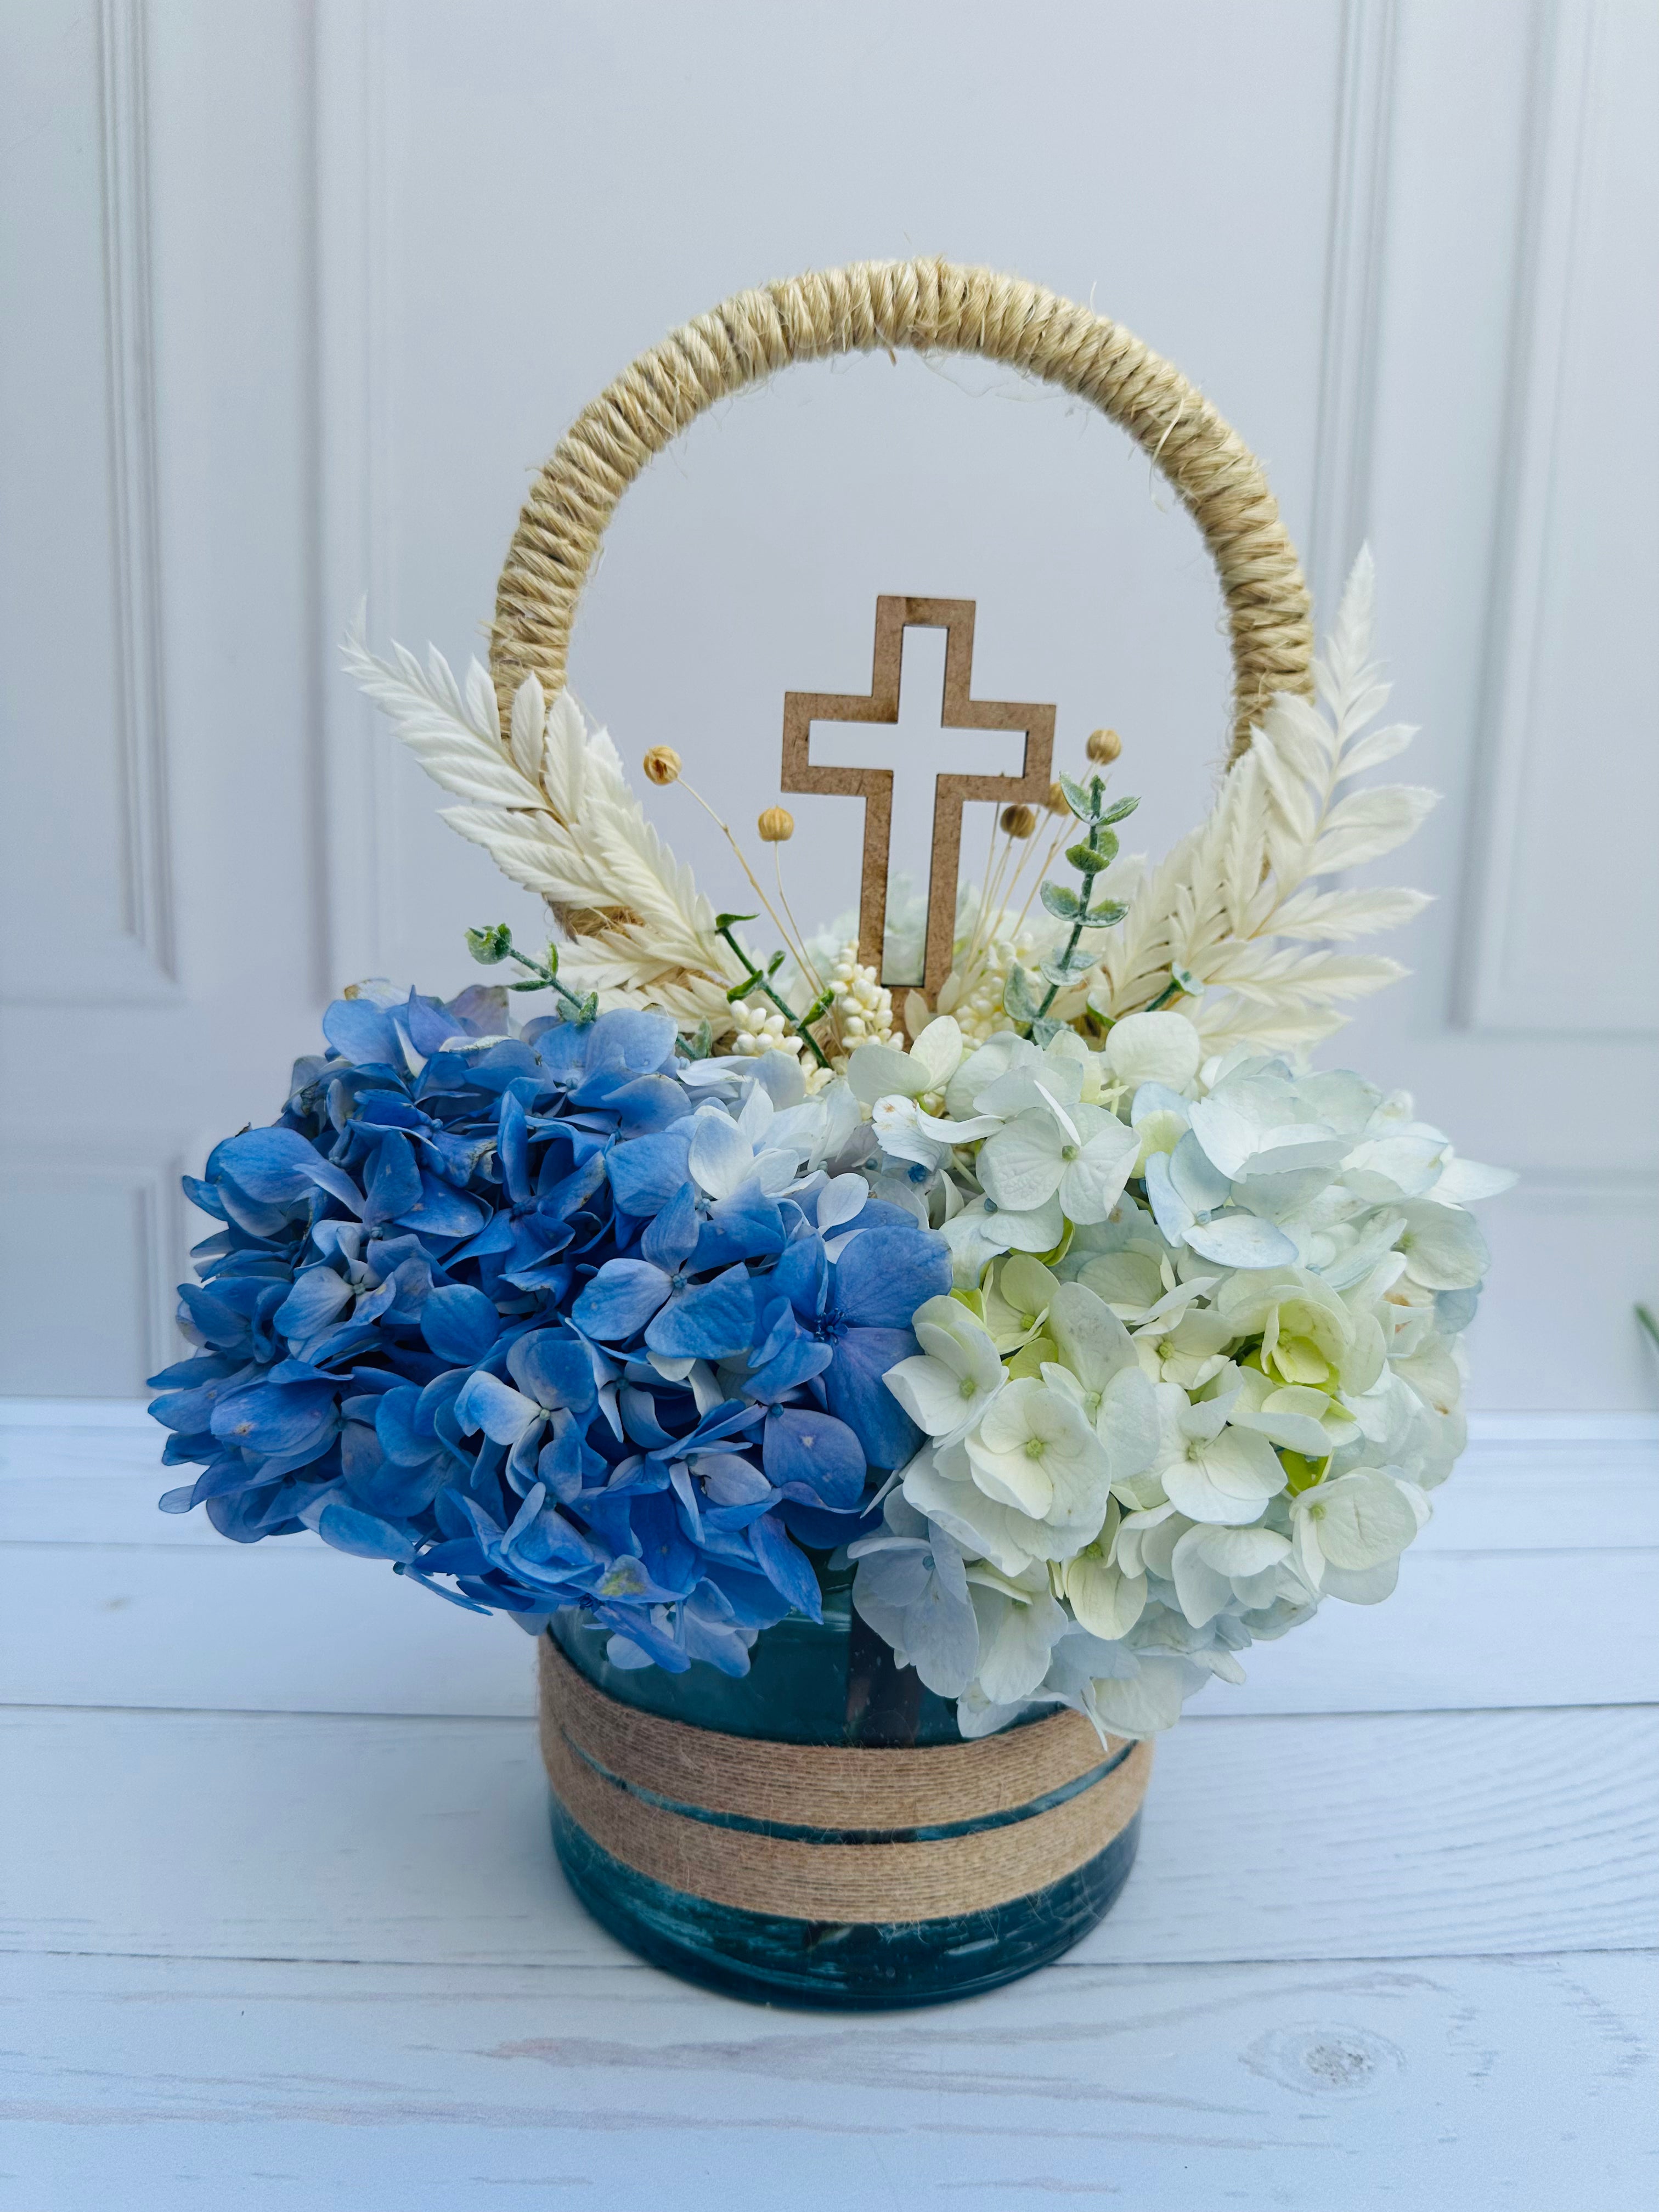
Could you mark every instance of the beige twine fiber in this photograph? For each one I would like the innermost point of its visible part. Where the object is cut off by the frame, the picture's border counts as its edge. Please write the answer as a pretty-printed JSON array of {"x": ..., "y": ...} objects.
[
  {"x": 927, "y": 306},
  {"x": 831, "y": 1788}
]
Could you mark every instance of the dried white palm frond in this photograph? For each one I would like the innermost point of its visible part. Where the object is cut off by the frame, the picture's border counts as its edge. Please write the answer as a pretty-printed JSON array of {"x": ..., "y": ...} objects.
[
  {"x": 1237, "y": 906},
  {"x": 553, "y": 809}
]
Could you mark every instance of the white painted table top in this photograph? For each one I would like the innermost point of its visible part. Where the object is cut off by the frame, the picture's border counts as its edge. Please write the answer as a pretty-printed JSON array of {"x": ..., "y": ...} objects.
[{"x": 281, "y": 1927}]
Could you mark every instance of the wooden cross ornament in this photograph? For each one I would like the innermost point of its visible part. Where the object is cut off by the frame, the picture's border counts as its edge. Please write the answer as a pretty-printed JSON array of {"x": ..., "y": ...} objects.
[{"x": 874, "y": 786}]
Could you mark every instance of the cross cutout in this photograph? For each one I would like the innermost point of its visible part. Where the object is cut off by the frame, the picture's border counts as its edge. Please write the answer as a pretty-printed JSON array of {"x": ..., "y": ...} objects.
[{"x": 874, "y": 786}]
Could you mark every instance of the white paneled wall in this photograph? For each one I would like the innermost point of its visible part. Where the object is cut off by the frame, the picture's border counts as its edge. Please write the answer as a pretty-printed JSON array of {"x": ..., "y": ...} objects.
[{"x": 294, "y": 298}]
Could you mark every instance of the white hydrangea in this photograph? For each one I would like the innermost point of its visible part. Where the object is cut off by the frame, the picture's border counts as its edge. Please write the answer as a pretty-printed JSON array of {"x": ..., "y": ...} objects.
[{"x": 1199, "y": 1369}]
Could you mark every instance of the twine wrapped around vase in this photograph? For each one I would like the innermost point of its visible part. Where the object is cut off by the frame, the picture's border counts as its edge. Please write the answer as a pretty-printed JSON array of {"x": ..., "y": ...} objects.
[{"x": 829, "y": 1833}]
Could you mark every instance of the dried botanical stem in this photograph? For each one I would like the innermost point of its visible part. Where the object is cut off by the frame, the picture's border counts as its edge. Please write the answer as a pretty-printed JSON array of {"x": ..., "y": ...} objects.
[
  {"x": 1026, "y": 851},
  {"x": 809, "y": 969},
  {"x": 972, "y": 953},
  {"x": 725, "y": 829},
  {"x": 758, "y": 979},
  {"x": 1048, "y": 862},
  {"x": 991, "y": 905}
]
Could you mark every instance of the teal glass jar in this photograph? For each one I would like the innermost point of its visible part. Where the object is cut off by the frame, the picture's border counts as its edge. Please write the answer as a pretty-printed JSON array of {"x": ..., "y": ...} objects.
[{"x": 649, "y": 1817}]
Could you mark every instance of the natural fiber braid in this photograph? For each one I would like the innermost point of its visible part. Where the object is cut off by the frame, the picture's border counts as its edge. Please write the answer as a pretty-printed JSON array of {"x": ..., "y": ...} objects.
[{"x": 927, "y": 306}]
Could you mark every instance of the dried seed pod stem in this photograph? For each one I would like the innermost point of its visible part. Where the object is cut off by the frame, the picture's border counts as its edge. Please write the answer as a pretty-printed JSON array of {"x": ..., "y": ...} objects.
[
  {"x": 724, "y": 828},
  {"x": 807, "y": 966},
  {"x": 972, "y": 953},
  {"x": 1047, "y": 863}
]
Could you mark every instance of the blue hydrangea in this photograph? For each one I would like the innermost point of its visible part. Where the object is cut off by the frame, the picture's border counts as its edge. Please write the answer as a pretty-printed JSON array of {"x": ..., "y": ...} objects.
[{"x": 548, "y": 1319}]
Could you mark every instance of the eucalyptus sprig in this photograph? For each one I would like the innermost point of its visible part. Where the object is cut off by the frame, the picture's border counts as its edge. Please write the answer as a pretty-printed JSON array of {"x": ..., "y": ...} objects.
[
  {"x": 1091, "y": 856},
  {"x": 488, "y": 946}
]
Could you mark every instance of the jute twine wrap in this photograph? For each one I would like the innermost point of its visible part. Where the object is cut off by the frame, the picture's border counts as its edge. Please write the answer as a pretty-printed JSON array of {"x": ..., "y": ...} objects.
[
  {"x": 599, "y": 1753},
  {"x": 928, "y": 307}
]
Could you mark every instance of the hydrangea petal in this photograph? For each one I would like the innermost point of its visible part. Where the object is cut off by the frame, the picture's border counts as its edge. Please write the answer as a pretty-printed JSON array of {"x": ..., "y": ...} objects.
[
  {"x": 1161, "y": 1047},
  {"x": 875, "y": 1071},
  {"x": 503, "y": 1413},
  {"x": 361, "y": 1031},
  {"x": 459, "y": 1323},
  {"x": 720, "y": 1156},
  {"x": 620, "y": 1300},
  {"x": 556, "y": 1367},
  {"x": 316, "y": 1297},
  {"x": 856, "y": 1392},
  {"x": 443, "y": 1212},
  {"x": 787, "y": 1569},
  {"x": 363, "y": 1533},
  {"x": 1020, "y": 1168},
  {"x": 1360, "y": 1520},
  {"x": 272, "y": 1418},
  {"x": 1445, "y": 1248},
  {"x": 713, "y": 1320},
  {"x": 276, "y": 1166},
  {"x": 1241, "y": 1240},
  {"x": 815, "y": 1457},
  {"x": 883, "y": 1274},
  {"x": 647, "y": 1173},
  {"x": 672, "y": 1237}
]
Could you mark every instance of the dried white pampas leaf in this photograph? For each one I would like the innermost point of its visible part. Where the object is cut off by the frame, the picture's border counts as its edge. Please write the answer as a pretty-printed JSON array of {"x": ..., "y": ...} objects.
[
  {"x": 1234, "y": 905},
  {"x": 553, "y": 809}
]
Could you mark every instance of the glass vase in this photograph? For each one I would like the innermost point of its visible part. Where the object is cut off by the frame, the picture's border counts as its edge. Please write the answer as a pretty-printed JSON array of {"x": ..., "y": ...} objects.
[{"x": 822, "y": 1684}]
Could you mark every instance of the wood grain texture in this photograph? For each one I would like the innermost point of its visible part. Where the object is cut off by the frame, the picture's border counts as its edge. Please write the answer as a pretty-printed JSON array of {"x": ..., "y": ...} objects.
[
  {"x": 265, "y": 1628},
  {"x": 959, "y": 710},
  {"x": 1506, "y": 2085},
  {"x": 425, "y": 1841},
  {"x": 290, "y": 1958}
]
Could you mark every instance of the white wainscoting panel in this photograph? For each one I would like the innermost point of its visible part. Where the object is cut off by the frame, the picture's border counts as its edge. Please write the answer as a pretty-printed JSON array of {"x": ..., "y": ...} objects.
[
  {"x": 86, "y": 914},
  {"x": 1569, "y": 756},
  {"x": 299, "y": 297}
]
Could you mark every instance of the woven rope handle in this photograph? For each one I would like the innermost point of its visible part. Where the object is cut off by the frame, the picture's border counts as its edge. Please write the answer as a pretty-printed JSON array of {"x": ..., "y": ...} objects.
[{"x": 929, "y": 306}]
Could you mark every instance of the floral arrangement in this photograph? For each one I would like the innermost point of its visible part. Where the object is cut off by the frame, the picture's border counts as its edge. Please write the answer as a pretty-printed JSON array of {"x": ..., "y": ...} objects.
[
  {"x": 550, "y": 1318},
  {"x": 1097, "y": 1333}
]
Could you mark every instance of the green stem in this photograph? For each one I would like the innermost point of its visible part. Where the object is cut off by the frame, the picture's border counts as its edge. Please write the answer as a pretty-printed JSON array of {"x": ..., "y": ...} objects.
[
  {"x": 1175, "y": 989},
  {"x": 490, "y": 945},
  {"x": 1077, "y": 931},
  {"x": 756, "y": 981},
  {"x": 546, "y": 980}
]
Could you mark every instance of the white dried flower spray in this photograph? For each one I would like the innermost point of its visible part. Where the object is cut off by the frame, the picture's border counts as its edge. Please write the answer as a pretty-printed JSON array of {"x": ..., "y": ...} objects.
[{"x": 1237, "y": 906}]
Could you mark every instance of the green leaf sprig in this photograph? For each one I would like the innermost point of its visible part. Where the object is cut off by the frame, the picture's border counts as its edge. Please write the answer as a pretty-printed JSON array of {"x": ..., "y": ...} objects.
[
  {"x": 760, "y": 979},
  {"x": 490, "y": 946},
  {"x": 1091, "y": 856}
]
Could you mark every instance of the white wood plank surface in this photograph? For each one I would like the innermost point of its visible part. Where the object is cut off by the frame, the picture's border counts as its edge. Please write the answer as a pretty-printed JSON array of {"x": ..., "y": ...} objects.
[
  {"x": 424, "y": 1842},
  {"x": 109, "y": 1602},
  {"x": 317, "y": 1631},
  {"x": 280, "y": 1925},
  {"x": 1514, "y": 2085}
]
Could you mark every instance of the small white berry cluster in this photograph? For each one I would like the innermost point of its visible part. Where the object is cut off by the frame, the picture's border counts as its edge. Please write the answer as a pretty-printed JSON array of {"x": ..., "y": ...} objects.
[
  {"x": 979, "y": 1010},
  {"x": 862, "y": 1010},
  {"x": 761, "y": 1027}
]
